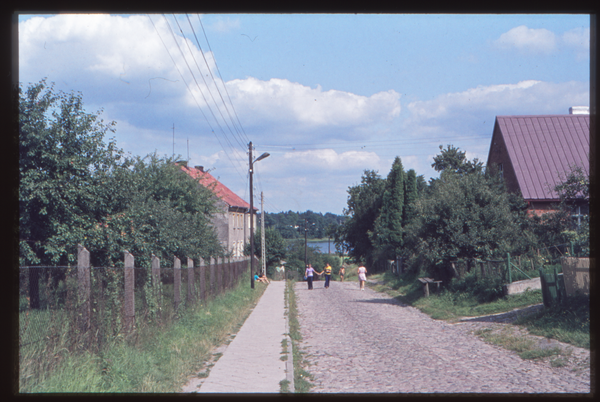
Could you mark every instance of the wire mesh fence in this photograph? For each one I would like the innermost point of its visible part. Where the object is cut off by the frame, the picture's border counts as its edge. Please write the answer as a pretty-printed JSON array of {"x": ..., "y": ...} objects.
[{"x": 63, "y": 309}]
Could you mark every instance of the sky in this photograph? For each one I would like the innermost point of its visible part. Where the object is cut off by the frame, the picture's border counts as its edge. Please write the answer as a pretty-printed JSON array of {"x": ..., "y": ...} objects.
[{"x": 328, "y": 96}]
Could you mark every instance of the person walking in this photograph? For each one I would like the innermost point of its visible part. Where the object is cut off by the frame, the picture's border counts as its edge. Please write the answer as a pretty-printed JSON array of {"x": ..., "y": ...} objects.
[
  {"x": 342, "y": 273},
  {"x": 327, "y": 271},
  {"x": 310, "y": 271},
  {"x": 362, "y": 277}
]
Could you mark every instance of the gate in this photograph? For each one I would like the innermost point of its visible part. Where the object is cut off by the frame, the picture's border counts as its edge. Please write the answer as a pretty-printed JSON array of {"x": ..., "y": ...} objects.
[{"x": 553, "y": 287}]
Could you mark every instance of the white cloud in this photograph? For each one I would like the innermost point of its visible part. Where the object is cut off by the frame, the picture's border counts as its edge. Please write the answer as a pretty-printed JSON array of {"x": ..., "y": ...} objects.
[
  {"x": 528, "y": 40},
  {"x": 579, "y": 40},
  {"x": 329, "y": 159},
  {"x": 282, "y": 100},
  {"x": 224, "y": 25},
  {"x": 525, "y": 97},
  {"x": 465, "y": 119}
]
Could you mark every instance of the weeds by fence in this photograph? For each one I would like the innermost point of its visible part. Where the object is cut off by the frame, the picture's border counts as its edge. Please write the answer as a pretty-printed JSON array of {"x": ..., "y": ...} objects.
[{"x": 82, "y": 308}]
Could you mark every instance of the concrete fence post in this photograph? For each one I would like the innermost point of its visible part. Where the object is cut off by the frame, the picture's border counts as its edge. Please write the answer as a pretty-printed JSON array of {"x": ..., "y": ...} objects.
[
  {"x": 202, "y": 279},
  {"x": 222, "y": 274},
  {"x": 213, "y": 263},
  {"x": 176, "y": 282},
  {"x": 129, "y": 302},
  {"x": 190, "y": 285},
  {"x": 84, "y": 288},
  {"x": 229, "y": 272},
  {"x": 156, "y": 282}
]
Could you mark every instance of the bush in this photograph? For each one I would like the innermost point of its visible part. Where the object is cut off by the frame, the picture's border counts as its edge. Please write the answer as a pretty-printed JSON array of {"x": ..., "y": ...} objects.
[{"x": 485, "y": 289}]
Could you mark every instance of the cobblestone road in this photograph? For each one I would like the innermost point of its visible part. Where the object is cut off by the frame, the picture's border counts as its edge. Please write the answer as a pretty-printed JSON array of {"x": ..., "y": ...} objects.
[{"x": 365, "y": 342}]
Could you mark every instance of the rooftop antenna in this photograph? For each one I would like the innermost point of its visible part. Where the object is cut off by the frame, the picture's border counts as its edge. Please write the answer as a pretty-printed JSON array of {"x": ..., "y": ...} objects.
[
  {"x": 188, "y": 143},
  {"x": 173, "y": 141}
]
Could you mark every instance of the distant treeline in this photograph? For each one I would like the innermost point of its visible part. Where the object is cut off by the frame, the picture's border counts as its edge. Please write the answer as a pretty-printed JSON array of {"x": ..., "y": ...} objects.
[{"x": 291, "y": 225}]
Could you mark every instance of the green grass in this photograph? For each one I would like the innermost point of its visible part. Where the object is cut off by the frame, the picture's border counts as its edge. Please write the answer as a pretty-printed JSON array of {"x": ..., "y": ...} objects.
[
  {"x": 448, "y": 305},
  {"x": 159, "y": 360},
  {"x": 568, "y": 322},
  {"x": 302, "y": 378},
  {"x": 525, "y": 348}
]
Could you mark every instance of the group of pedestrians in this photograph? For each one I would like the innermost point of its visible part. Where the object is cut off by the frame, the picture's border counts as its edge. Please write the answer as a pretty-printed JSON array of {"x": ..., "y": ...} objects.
[{"x": 310, "y": 272}]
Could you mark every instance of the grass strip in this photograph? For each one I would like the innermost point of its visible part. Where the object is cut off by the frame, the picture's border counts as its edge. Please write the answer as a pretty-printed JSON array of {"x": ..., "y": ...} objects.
[
  {"x": 447, "y": 305},
  {"x": 161, "y": 359},
  {"x": 568, "y": 322},
  {"x": 302, "y": 378}
]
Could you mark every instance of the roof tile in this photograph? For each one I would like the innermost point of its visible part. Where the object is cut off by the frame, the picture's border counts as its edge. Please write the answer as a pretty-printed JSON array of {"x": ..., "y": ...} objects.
[{"x": 218, "y": 188}]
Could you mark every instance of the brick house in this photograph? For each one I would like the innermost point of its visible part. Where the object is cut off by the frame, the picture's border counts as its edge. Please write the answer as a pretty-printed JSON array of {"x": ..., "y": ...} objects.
[
  {"x": 534, "y": 154},
  {"x": 232, "y": 222}
]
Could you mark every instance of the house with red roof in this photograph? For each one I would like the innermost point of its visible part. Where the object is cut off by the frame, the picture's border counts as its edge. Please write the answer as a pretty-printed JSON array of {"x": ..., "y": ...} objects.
[
  {"x": 535, "y": 153},
  {"x": 232, "y": 222}
]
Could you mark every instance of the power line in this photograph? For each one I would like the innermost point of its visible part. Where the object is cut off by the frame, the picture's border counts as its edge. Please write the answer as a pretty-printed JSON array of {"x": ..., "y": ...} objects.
[
  {"x": 245, "y": 139},
  {"x": 366, "y": 144},
  {"x": 202, "y": 75},
  {"x": 189, "y": 89}
]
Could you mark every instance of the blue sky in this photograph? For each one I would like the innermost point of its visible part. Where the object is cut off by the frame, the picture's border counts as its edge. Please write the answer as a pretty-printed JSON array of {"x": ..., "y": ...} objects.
[{"x": 327, "y": 95}]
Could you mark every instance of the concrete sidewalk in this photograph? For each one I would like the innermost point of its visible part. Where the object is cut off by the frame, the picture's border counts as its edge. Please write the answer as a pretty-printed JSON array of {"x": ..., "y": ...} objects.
[{"x": 252, "y": 361}]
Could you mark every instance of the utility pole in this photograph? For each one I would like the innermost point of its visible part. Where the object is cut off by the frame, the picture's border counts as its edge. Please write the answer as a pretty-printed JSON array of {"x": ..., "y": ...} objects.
[
  {"x": 251, "y": 218},
  {"x": 173, "y": 140},
  {"x": 250, "y": 172},
  {"x": 262, "y": 234},
  {"x": 305, "y": 243}
]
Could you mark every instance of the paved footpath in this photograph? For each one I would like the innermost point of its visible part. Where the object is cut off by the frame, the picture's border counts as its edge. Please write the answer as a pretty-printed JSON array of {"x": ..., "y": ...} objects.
[
  {"x": 366, "y": 342},
  {"x": 252, "y": 361}
]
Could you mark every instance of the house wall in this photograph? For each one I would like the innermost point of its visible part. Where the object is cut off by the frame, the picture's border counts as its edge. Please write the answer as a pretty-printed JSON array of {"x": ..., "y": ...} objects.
[
  {"x": 238, "y": 235},
  {"x": 220, "y": 222},
  {"x": 499, "y": 156}
]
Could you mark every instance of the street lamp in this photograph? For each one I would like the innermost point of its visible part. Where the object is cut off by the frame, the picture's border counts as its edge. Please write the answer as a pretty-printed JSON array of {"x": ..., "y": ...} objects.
[{"x": 251, "y": 170}]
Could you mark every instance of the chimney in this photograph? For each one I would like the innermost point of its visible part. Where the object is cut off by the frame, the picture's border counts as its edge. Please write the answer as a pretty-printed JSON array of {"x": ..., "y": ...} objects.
[
  {"x": 579, "y": 110},
  {"x": 200, "y": 168}
]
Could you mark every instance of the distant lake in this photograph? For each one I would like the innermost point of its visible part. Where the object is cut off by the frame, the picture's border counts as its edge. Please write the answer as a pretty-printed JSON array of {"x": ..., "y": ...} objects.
[{"x": 323, "y": 247}]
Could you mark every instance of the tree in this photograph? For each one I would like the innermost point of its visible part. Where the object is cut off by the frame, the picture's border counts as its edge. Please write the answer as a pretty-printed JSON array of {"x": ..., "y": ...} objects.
[
  {"x": 387, "y": 234},
  {"x": 364, "y": 202},
  {"x": 465, "y": 215},
  {"x": 571, "y": 223},
  {"x": 63, "y": 160},
  {"x": 452, "y": 159},
  {"x": 77, "y": 189},
  {"x": 411, "y": 194},
  {"x": 275, "y": 248}
]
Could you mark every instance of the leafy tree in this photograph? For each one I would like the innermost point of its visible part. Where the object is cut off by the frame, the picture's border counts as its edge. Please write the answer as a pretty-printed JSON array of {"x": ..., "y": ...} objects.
[
  {"x": 452, "y": 159},
  {"x": 464, "y": 216},
  {"x": 563, "y": 226},
  {"x": 275, "y": 248},
  {"x": 387, "y": 234},
  {"x": 63, "y": 163},
  {"x": 164, "y": 212},
  {"x": 77, "y": 189},
  {"x": 364, "y": 202}
]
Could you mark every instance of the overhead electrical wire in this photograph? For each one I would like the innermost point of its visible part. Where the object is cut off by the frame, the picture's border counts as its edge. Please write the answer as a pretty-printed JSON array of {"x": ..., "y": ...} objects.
[
  {"x": 191, "y": 92},
  {"x": 245, "y": 139},
  {"x": 204, "y": 80},
  {"x": 366, "y": 144}
]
